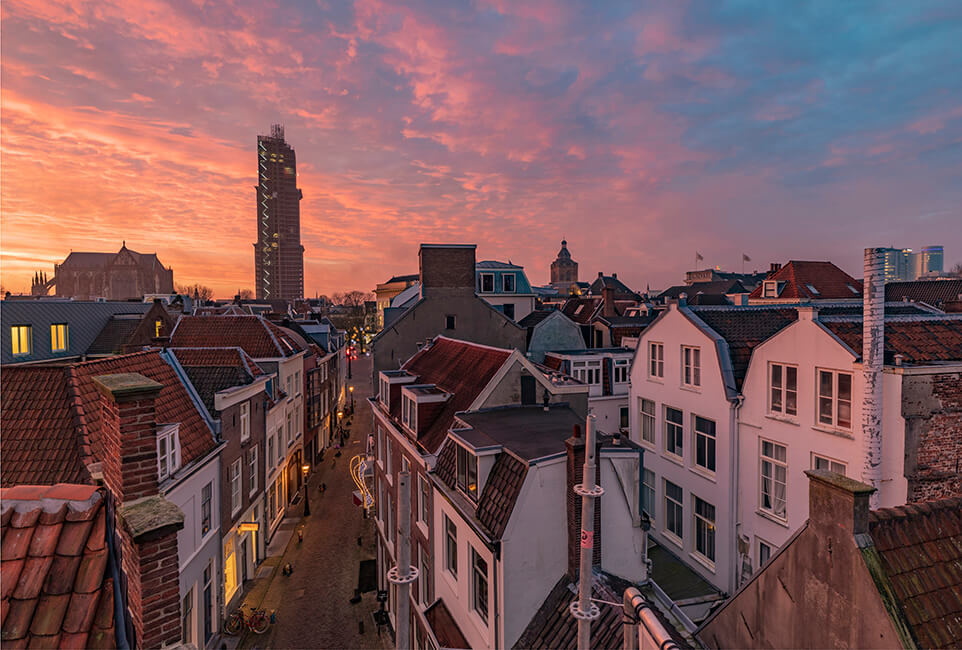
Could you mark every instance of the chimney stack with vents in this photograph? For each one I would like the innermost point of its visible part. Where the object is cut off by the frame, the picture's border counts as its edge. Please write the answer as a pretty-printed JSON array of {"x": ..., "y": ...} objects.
[
  {"x": 775, "y": 268},
  {"x": 608, "y": 302},
  {"x": 873, "y": 348},
  {"x": 147, "y": 523}
]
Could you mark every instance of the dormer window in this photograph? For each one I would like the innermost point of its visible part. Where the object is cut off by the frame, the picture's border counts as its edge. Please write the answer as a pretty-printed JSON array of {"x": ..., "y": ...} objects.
[
  {"x": 385, "y": 392},
  {"x": 467, "y": 474},
  {"x": 409, "y": 413},
  {"x": 168, "y": 451},
  {"x": 507, "y": 283},
  {"x": 487, "y": 282},
  {"x": 770, "y": 289}
]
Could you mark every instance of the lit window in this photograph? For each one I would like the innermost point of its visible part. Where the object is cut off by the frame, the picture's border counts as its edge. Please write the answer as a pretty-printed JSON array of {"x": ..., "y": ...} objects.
[
  {"x": 507, "y": 282},
  {"x": 774, "y": 472},
  {"x": 674, "y": 511},
  {"x": 783, "y": 389},
  {"x": 235, "y": 487},
  {"x": 691, "y": 362},
  {"x": 704, "y": 443},
  {"x": 168, "y": 452},
  {"x": 647, "y": 408},
  {"x": 826, "y": 463},
  {"x": 656, "y": 360},
  {"x": 479, "y": 592},
  {"x": 467, "y": 472},
  {"x": 158, "y": 328},
  {"x": 21, "y": 339},
  {"x": 835, "y": 399},
  {"x": 450, "y": 546},
  {"x": 674, "y": 432},
  {"x": 704, "y": 529},
  {"x": 245, "y": 421},
  {"x": 621, "y": 371},
  {"x": 58, "y": 337}
]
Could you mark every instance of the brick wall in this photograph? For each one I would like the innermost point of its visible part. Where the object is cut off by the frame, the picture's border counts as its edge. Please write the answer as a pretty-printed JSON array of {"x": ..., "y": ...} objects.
[
  {"x": 932, "y": 408},
  {"x": 130, "y": 442},
  {"x": 447, "y": 267}
]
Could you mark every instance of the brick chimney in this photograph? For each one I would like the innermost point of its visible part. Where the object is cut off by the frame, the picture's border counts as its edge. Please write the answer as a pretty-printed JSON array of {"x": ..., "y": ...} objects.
[
  {"x": 146, "y": 522},
  {"x": 447, "y": 268},
  {"x": 837, "y": 504},
  {"x": 608, "y": 302},
  {"x": 775, "y": 268},
  {"x": 575, "y": 448}
]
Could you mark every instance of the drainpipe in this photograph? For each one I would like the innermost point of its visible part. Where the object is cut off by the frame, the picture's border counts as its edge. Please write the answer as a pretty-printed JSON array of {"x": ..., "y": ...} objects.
[
  {"x": 873, "y": 339},
  {"x": 733, "y": 487},
  {"x": 403, "y": 574},
  {"x": 583, "y": 609}
]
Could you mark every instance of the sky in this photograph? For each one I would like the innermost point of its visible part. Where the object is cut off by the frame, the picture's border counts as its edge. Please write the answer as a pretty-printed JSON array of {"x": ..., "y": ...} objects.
[{"x": 643, "y": 132}]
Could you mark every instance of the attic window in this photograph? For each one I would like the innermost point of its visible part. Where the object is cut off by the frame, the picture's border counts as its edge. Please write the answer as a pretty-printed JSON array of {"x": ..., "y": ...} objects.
[
  {"x": 409, "y": 413},
  {"x": 467, "y": 474},
  {"x": 487, "y": 283},
  {"x": 507, "y": 282},
  {"x": 770, "y": 289},
  {"x": 852, "y": 289},
  {"x": 812, "y": 289},
  {"x": 578, "y": 310},
  {"x": 168, "y": 451}
]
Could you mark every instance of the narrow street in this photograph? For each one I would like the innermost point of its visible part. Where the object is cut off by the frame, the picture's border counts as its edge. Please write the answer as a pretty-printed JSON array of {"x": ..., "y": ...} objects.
[{"x": 313, "y": 604}]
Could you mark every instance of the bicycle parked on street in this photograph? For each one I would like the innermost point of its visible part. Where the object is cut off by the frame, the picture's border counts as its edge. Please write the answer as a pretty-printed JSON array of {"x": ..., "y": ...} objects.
[{"x": 258, "y": 622}]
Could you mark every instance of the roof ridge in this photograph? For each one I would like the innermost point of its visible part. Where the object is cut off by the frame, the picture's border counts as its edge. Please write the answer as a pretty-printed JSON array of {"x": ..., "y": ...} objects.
[
  {"x": 914, "y": 509},
  {"x": 471, "y": 343},
  {"x": 277, "y": 344}
]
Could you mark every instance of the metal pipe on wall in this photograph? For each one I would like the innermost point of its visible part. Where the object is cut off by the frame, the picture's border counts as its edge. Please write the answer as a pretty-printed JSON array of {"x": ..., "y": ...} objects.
[
  {"x": 403, "y": 574},
  {"x": 583, "y": 609}
]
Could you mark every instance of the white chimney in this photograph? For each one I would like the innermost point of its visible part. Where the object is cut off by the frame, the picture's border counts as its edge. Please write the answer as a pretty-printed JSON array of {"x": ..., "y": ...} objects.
[{"x": 873, "y": 348}]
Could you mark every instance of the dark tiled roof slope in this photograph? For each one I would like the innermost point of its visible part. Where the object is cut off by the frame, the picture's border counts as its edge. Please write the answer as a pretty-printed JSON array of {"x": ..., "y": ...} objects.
[
  {"x": 932, "y": 292},
  {"x": 207, "y": 357},
  {"x": 41, "y": 440},
  {"x": 622, "y": 292},
  {"x": 919, "y": 341},
  {"x": 72, "y": 397},
  {"x": 56, "y": 586},
  {"x": 534, "y": 317},
  {"x": 921, "y": 551},
  {"x": 715, "y": 288},
  {"x": 445, "y": 628},
  {"x": 457, "y": 367},
  {"x": 500, "y": 493},
  {"x": 830, "y": 281},
  {"x": 743, "y": 329},
  {"x": 208, "y": 380},
  {"x": 581, "y": 310},
  {"x": 257, "y": 336},
  {"x": 114, "y": 335}
]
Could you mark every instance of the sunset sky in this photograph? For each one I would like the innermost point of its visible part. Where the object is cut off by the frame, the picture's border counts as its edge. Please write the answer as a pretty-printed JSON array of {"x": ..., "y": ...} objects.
[{"x": 783, "y": 130}]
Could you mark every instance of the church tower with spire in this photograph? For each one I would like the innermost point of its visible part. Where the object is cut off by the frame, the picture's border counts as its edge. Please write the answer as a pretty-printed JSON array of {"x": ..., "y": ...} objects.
[{"x": 564, "y": 270}]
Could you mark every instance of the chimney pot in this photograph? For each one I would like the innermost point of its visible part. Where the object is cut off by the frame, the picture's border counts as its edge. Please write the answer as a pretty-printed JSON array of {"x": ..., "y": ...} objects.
[
  {"x": 577, "y": 431},
  {"x": 600, "y": 274},
  {"x": 614, "y": 275}
]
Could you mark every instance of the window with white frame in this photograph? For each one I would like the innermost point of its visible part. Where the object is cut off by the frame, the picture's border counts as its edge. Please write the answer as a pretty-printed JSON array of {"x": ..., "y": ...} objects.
[
  {"x": 764, "y": 552},
  {"x": 674, "y": 432},
  {"x": 270, "y": 449},
  {"x": 380, "y": 446},
  {"x": 770, "y": 289},
  {"x": 648, "y": 493},
  {"x": 252, "y": 471},
  {"x": 388, "y": 456},
  {"x": 297, "y": 382},
  {"x": 704, "y": 529},
  {"x": 206, "y": 495},
  {"x": 774, "y": 473},
  {"x": 826, "y": 463},
  {"x": 272, "y": 500},
  {"x": 299, "y": 420},
  {"x": 479, "y": 590},
  {"x": 235, "y": 487},
  {"x": 647, "y": 409},
  {"x": 487, "y": 282},
  {"x": 674, "y": 510},
  {"x": 424, "y": 577},
  {"x": 656, "y": 360},
  {"x": 168, "y": 452},
  {"x": 380, "y": 502},
  {"x": 280, "y": 445},
  {"x": 507, "y": 283},
  {"x": 783, "y": 389},
  {"x": 467, "y": 472},
  {"x": 290, "y": 428},
  {"x": 588, "y": 372},
  {"x": 691, "y": 366},
  {"x": 621, "y": 371},
  {"x": 704, "y": 432},
  {"x": 385, "y": 394},
  {"x": 245, "y": 421},
  {"x": 835, "y": 399},
  {"x": 409, "y": 413},
  {"x": 424, "y": 490},
  {"x": 450, "y": 546}
]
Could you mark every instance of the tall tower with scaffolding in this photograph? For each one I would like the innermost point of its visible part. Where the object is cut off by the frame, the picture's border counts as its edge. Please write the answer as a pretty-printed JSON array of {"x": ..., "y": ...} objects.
[{"x": 278, "y": 253}]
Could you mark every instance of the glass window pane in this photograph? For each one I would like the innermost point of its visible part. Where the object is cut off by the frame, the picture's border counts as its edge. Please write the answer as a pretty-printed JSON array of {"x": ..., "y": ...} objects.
[{"x": 844, "y": 386}]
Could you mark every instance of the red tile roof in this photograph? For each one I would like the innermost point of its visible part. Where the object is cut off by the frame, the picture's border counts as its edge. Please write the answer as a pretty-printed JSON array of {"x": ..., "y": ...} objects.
[
  {"x": 932, "y": 292},
  {"x": 920, "y": 340},
  {"x": 258, "y": 337},
  {"x": 920, "y": 546},
  {"x": 232, "y": 357},
  {"x": 51, "y": 417},
  {"x": 457, "y": 367},
  {"x": 830, "y": 282},
  {"x": 57, "y": 590}
]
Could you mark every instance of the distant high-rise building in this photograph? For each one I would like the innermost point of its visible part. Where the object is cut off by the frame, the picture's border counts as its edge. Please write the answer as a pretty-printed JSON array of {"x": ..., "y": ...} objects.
[
  {"x": 901, "y": 264},
  {"x": 929, "y": 261},
  {"x": 898, "y": 264},
  {"x": 278, "y": 254}
]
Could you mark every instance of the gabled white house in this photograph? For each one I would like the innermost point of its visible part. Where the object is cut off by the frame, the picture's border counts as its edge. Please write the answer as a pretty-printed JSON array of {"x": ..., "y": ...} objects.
[{"x": 606, "y": 371}]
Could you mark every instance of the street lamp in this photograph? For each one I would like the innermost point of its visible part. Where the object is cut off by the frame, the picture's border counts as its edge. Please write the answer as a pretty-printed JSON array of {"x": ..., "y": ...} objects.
[
  {"x": 351, "y": 389},
  {"x": 307, "y": 506}
]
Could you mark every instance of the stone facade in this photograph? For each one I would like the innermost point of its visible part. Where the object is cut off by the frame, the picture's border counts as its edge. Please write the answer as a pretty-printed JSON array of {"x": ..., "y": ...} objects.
[
  {"x": 564, "y": 270},
  {"x": 114, "y": 276}
]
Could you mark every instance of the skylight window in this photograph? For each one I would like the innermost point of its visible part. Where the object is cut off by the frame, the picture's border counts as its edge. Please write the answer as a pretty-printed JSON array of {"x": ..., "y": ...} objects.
[
  {"x": 812, "y": 289},
  {"x": 852, "y": 289}
]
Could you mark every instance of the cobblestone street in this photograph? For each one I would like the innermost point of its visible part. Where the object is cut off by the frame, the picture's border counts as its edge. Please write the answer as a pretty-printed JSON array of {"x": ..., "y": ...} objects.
[{"x": 313, "y": 604}]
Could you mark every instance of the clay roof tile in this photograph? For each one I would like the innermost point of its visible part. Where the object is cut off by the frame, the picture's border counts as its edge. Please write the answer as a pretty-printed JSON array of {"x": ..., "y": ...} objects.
[
  {"x": 18, "y": 619},
  {"x": 32, "y": 576},
  {"x": 44, "y": 540},
  {"x": 73, "y": 538},
  {"x": 49, "y": 614},
  {"x": 90, "y": 574},
  {"x": 15, "y": 544},
  {"x": 61, "y": 576},
  {"x": 81, "y": 611}
]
